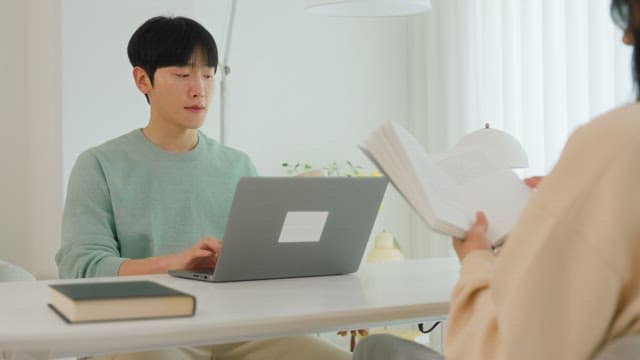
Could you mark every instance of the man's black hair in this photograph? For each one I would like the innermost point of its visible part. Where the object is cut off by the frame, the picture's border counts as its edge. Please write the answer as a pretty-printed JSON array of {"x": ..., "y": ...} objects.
[
  {"x": 622, "y": 15},
  {"x": 170, "y": 41}
]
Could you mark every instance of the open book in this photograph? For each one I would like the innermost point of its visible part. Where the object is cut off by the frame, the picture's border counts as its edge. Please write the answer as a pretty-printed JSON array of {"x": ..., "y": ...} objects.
[{"x": 448, "y": 188}]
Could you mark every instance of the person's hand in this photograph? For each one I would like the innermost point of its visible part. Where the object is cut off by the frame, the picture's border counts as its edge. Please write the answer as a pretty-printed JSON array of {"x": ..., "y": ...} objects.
[
  {"x": 199, "y": 256},
  {"x": 533, "y": 181},
  {"x": 476, "y": 238},
  {"x": 202, "y": 255}
]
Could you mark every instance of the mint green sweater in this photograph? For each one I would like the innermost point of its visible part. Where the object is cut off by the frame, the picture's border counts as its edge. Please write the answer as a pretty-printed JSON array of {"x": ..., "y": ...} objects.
[{"x": 128, "y": 198}]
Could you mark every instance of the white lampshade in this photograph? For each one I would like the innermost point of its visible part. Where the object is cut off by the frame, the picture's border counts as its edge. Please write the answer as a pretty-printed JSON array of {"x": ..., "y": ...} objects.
[
  {"x": 499, "y": 146},
  {"x": 367, "y": 7}
]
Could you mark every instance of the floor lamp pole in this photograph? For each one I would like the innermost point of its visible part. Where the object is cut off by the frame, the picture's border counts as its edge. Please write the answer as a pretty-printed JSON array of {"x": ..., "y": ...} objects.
[{"x": 225, "y": 69}]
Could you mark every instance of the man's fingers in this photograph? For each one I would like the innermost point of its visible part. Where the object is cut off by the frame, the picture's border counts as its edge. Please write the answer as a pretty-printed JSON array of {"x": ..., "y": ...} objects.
[
  {"x": 212, "y": 243},
  {"x": 202, "y": 253}
]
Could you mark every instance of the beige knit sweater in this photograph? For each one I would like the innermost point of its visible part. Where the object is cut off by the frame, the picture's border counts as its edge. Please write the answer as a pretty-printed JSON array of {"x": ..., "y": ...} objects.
[{"x": 568, "y": 278}]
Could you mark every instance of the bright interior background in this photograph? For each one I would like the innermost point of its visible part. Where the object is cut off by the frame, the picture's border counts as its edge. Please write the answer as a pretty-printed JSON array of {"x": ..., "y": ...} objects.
[{"x": 302, "y": 88}]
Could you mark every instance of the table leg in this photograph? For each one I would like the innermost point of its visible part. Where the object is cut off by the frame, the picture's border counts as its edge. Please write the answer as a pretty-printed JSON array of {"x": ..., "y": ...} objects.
[{"x": 437, "y": 337}]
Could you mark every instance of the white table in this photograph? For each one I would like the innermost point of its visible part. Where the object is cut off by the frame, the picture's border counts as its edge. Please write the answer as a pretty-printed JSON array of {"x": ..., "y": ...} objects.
[{"x": 378, "y": 294}]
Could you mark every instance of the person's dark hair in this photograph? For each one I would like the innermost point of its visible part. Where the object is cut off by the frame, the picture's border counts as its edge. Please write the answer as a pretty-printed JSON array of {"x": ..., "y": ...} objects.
[
  {"x": 623, "y": 17},
  {"x": 170, "y": 41}
]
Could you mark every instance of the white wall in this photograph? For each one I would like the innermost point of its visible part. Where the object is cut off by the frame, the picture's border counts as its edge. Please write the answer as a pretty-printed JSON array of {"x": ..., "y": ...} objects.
[
  {"x": 302, "y": 88},
  {"x": 30, "y": 147},
  {"x": 15, "y": 150},
  {"x": 305, "y": 87}
]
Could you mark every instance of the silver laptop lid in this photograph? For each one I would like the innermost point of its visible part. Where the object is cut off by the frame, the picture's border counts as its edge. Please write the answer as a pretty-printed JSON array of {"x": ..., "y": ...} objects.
[{"x": 282, "y": 227}]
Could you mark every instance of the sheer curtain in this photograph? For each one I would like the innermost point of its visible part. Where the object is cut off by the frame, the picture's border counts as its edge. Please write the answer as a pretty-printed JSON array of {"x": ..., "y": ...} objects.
[{"x": 534, "y": 68}]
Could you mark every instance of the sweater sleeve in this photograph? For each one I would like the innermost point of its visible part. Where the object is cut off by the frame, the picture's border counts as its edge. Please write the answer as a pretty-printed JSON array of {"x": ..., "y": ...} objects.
[
  {"x": 472, "y": 309},
  {"x": 554, "y": 290},
  {"x": 551, "y": 304},
  {"x": 89, "y": 245}
]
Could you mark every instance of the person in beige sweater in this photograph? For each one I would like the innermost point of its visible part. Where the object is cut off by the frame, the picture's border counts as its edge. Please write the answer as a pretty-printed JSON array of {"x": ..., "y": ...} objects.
[{"x": 567, "y": 281}]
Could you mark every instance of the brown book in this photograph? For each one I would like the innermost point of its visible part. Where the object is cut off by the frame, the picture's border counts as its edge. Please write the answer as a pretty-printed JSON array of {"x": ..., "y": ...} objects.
[{"x": 122, "y": 300}]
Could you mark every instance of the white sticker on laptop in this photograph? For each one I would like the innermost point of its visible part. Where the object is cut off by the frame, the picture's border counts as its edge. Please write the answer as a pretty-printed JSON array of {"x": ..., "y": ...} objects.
[{"x": 303, "y": 226}]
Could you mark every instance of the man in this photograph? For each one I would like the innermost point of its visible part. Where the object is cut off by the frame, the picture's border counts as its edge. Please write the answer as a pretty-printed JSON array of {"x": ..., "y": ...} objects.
[{"x": 157, "y": 198}]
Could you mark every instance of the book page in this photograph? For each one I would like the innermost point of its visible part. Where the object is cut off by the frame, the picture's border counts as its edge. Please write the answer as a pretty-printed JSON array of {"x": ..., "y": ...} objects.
[
  {"x": 464, "y": 165},
  {"x": 447, "y": 204},
  {"x": 425, "y": 187},
  {"x": 484, "y": 185},
  {"x": 381, "y": 153}
]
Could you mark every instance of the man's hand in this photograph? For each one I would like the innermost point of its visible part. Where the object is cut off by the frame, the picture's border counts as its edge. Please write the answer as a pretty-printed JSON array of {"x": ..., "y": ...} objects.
[
  {"x": 199, "y": 256},
  {"x": 476, "y": 238}
]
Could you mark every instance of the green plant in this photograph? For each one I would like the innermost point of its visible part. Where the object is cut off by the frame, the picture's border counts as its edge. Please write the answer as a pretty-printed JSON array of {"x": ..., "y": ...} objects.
[
  {"x": 336, "y": 168},
  {"x": 346, "y": 168},
  {"x": 297, "y": 168}
]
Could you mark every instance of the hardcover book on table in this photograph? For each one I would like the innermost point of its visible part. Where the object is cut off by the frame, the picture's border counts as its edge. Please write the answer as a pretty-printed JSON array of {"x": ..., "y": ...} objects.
[{"x": 119, "y": 300}]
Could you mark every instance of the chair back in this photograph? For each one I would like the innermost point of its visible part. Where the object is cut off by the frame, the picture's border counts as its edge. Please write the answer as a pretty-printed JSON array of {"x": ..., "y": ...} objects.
[
  {"x": 624, "y": 348},
  {"x": 11, "y": 272}
]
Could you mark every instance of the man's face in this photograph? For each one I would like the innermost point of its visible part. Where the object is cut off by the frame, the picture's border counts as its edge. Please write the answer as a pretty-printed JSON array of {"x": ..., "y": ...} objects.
[{"x": 180, "y": 95}]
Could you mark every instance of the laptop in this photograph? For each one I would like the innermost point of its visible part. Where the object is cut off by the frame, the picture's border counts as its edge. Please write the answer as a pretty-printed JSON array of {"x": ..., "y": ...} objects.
[{"x": 284, "y": 227}]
